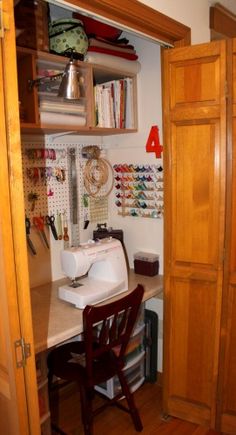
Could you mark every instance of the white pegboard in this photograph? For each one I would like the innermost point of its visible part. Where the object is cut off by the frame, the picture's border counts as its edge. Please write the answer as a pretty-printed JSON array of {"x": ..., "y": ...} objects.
[
  {"x": 40, "y": 178},
  {"x": 54, "y": 193}
]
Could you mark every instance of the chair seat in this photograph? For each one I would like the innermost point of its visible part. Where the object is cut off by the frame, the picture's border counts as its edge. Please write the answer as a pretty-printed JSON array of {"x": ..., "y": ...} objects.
[{"x": 68, "y": 362}]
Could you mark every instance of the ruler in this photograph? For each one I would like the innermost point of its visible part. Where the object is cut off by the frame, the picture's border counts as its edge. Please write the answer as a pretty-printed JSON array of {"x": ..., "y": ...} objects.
[{"x": 73, "y": 181}]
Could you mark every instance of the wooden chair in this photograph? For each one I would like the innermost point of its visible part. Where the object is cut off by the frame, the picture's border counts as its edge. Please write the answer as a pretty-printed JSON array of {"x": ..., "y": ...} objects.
[{"x": 100, "y": 355}]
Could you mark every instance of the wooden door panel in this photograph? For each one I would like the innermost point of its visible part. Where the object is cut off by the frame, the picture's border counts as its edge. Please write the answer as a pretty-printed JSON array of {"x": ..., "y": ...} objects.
[
  {"x": 201, "y": 79},
  {"x": 194, "y": 158},
  {"x": 228, "y": 393},
  {"x": 194, "y": 185},
  {"x": 230, "y": 355},
  {"x": 193, "y": 307},
  {"x": 12, "y": 415}
]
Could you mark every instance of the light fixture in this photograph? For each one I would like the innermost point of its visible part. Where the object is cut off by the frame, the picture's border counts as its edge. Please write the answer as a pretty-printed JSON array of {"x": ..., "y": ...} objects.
[{"x": 69, "y": 86}]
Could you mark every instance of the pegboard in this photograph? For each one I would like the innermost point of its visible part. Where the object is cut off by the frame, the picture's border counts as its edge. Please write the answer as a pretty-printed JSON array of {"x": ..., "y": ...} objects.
[
  {"x": 47, "y": 177},
  {"x": 93, "y": 209}
]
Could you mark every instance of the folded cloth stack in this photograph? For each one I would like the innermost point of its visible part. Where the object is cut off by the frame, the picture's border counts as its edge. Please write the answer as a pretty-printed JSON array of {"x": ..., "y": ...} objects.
[{"x": 120, "y": 47}]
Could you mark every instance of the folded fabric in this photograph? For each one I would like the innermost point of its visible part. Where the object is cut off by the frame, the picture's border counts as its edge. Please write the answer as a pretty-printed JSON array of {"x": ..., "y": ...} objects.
[
  {"x": 109, "y": 47},
  {"x": 62, "y": 119},
  {"x": 113, "y": 53},
  {"x": 94, "y": 42},
  {"x": 95, "y": 27},
  {"x": 127, "y": 66},
  {"x": 121, "y": 41}
]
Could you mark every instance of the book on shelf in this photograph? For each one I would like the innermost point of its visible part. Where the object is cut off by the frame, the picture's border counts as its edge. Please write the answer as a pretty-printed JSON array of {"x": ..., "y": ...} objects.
[
  {"x": 114, "y": 104},
  {"x": 129, "y": 105}
]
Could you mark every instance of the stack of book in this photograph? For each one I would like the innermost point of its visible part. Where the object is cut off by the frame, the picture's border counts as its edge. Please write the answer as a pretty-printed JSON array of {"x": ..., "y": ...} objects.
[{"x": 114, "y": 104}]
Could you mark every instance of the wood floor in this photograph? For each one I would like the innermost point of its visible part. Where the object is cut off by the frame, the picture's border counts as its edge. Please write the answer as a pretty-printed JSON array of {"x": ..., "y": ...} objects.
[{"x": 113, "y": 421}]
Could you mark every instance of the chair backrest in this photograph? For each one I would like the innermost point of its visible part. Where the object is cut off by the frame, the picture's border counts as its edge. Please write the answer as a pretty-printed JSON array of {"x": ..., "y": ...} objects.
[{"x": 115, "y": 322}]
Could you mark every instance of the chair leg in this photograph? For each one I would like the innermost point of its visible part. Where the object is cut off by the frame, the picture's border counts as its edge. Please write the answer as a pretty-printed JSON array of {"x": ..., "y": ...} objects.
[
  {"x": 86, "y": 409},
  {"x": 130, "y": 400}
]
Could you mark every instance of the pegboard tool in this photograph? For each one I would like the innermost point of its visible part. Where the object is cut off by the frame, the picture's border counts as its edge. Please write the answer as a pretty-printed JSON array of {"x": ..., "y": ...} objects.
[{"x": 29, "y": 241}]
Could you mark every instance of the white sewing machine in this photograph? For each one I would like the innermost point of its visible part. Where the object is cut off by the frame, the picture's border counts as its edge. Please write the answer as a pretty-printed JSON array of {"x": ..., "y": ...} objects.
[{"x": 105, "y": 263}]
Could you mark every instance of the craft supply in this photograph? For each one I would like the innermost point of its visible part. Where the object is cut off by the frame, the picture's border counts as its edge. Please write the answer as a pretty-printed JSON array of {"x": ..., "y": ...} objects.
[
  {"x": 32, "y": 198},
  {"x": 73, "y": 180},
  {"x": 137, "y": 190},
  {"x": 50, "y": 221},
  {"x": 65, "y": 228},
  {"x": 29, "y": 241},
  {"x": 50, "y": 192},
  {"x": 65, "y": 235},
  {"x": 96, "y": 176},
  {"x": 62, "y": 118},
  {"x": 59, "y": 226},
  {"x": 146, "y": 263},
  {"x": 38, "y": 222}
]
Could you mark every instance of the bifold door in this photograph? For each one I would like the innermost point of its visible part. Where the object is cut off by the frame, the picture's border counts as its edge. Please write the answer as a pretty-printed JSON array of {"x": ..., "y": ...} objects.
[{"x": 195, "y": 157}]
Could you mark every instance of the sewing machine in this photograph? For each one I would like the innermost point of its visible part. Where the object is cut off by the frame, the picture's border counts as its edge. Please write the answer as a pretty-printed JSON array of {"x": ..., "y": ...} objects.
[{"x": 105, "y": 263}]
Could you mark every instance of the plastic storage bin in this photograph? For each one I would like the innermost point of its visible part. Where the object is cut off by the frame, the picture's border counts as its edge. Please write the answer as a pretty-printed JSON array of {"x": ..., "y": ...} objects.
[
  {"x": 134, "y": 372},
  {"x": 134, "y": 361},
  {"x": 146, "y": 263}
]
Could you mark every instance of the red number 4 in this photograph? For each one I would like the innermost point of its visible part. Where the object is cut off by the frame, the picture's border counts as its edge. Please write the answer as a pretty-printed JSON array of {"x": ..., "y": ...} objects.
[{"x": 153, "y": 142}]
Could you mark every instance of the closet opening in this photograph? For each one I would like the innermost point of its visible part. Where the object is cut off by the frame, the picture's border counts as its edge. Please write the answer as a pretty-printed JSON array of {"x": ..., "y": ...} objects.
[{"x": 50, "y": 191}]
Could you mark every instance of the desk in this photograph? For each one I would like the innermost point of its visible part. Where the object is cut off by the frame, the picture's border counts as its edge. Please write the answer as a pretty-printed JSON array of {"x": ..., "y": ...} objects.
[{"x": 55, "y": 321}]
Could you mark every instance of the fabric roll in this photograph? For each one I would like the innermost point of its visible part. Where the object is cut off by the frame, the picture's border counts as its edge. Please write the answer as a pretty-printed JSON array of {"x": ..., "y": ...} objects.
[
  {"x": 61, "y": 118},
  {"x": 57, "y": 106},
  {"x": 127, "y": 66}
]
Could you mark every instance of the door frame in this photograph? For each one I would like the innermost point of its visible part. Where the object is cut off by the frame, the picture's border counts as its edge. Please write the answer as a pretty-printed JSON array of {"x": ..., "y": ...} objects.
[
  {"x": 142, "y": 19},
  {"x": 137, "y": 16}
]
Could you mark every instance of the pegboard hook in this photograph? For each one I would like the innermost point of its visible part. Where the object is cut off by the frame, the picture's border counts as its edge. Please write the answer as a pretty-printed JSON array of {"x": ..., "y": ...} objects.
[{"x": 52, "y": 137}]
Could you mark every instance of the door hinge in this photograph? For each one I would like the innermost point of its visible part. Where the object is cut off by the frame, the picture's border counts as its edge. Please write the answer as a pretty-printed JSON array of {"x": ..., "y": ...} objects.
[
  {"x": 23, "y": 351},
  {"x": 4, "y": 20}
]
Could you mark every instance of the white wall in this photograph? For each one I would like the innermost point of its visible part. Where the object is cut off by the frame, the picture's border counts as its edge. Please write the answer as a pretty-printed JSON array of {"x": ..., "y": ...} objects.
[
  {"x": 145, "y": 234},
  {"x": 194, "y": 14}
]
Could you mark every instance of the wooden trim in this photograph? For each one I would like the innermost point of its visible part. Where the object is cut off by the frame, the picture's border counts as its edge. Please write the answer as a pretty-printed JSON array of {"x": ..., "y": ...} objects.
[
  {"x": 139, "y": 17},
  {"x": 16, "y": 205},
  {"x": 225, "y": 421},
  {"x": 222, "y": 21}
]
